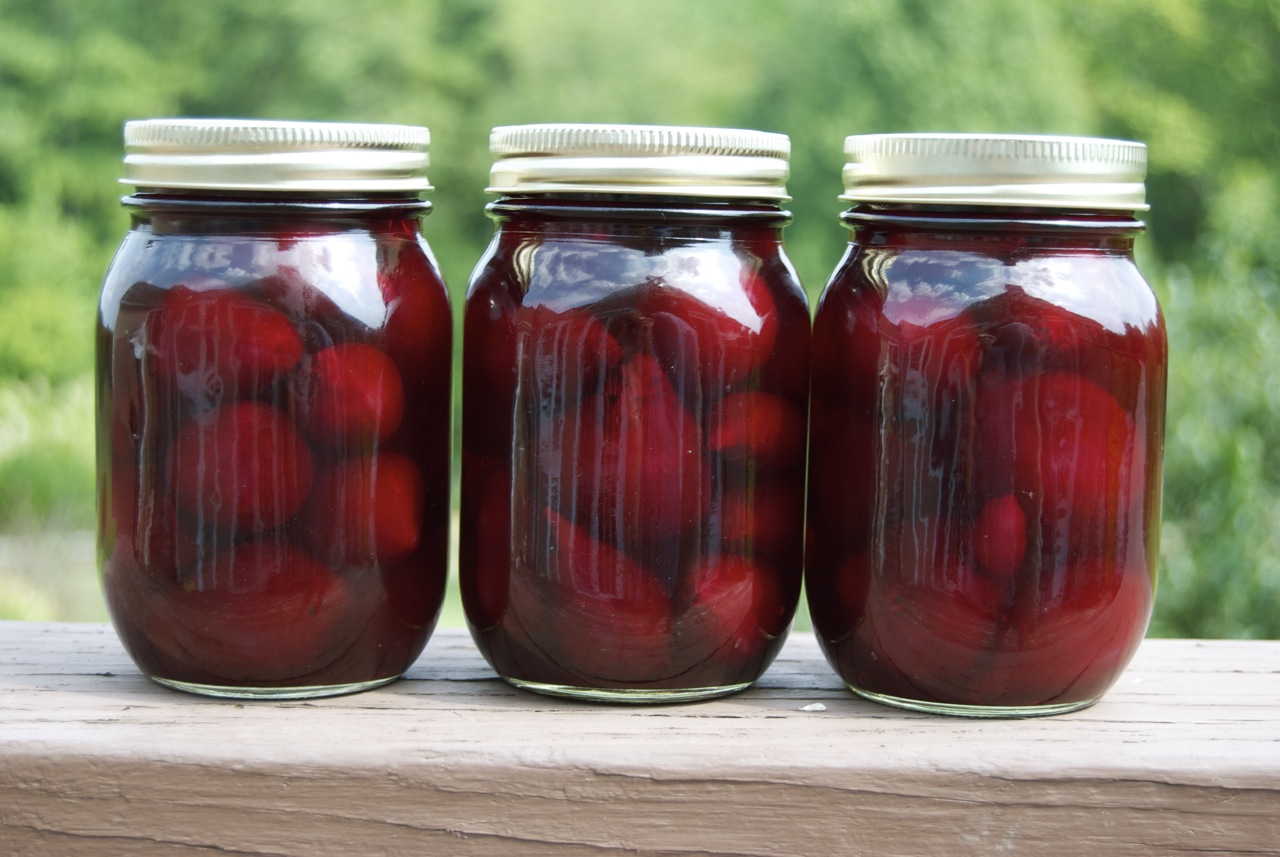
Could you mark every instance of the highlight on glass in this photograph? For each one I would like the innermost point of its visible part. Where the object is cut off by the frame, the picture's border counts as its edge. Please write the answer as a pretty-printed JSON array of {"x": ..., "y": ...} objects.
[
  {"x": 635, "y": 395},
  {"x": 273, "y": 408},
  {"x": 989, "y": 374}
]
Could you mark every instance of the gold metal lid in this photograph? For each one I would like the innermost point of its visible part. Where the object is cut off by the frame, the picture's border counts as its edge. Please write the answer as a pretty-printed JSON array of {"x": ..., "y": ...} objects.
[
  {"x": 254, "y": 154},
  {"x": 996, "y": 169},
  {"x": 639, "y": 159}
]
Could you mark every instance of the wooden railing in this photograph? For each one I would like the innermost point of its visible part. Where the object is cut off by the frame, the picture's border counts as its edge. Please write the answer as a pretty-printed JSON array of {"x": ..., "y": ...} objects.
[{"x": 1183, "y": 756}]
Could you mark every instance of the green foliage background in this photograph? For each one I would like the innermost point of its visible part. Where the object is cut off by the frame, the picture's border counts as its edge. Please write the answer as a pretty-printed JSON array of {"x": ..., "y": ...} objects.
[{"x": 1198, "y": 80}]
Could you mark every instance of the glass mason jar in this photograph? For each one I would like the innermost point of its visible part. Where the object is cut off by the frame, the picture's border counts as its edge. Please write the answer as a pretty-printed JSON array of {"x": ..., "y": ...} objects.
[
  {"x": 987, "y": 425},
  {"x": 635, "y": 392},
  {"x": 273, "y": 395}
]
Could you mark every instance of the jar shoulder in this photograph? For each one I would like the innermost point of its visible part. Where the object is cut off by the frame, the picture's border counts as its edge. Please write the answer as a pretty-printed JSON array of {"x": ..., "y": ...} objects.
[
  {"x": 359, "y": 271},
  {"x": 928, "y": 285}
]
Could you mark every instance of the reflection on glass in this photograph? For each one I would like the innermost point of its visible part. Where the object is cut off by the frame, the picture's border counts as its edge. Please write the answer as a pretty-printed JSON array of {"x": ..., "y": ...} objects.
[
  {"x": 985, "y": 464},
  {"x": 633, "y": 440},
  {"x": 274, "y": 450}
]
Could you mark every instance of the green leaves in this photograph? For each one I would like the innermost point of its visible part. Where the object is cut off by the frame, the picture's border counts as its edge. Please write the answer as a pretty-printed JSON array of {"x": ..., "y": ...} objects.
[{"x": 1197, "y": 80}]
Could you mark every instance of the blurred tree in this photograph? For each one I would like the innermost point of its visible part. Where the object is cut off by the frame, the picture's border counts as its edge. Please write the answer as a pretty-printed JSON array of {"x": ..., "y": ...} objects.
[
  {"x": 1198, "y": 80},
  {"x": 831, "y": 70}
]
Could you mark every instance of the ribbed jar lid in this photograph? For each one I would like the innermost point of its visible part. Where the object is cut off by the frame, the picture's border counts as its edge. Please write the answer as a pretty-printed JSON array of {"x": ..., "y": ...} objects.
[
  {"x": 266, "y": 155},
  {"x": 996, "y": 169},
  {"x": 639, "y": 159}
]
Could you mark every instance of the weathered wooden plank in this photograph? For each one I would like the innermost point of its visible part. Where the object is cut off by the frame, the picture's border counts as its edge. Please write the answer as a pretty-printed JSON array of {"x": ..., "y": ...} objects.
[{"x": 1182, "y": 756}]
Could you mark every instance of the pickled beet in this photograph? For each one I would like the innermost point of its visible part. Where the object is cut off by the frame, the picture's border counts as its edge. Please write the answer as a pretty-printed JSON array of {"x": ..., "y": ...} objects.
[
  {"x": 934, "y": 366},
  {"x": 485, "y": 590},
  {"x": 630, "y": 453},
  {"x": 1067, "y": 447},
  {"x": 719, "y": 334},
  {"x": 634, "y": 416},
  {"x": 760, "y": 427},
  {"x": 259, "y": 612},
  {"x": 980, "y": 470},
  {"x": 573, "y": 353},
  {"x": 219, "y": 345},
  {"x": 842, "y": 493},
  {"x": 608, "y": 618},
  {"x": 1029, "y": 334},
  {"x": 350, "y": 395},
  {"x": 725, "y": 613},
  {"x": 242, "y": 467},
  {"x": 758, "y": 522},
  {"x": 365, "y": 511},
  {"x": 847, "y": 342},
  {"x": 418, "y": 331},
  {"x": 960, "y": 646},
  {"x": 1079, "y": 447},
  {"x": 490, "y": 339},
  {"x": 278, "y": 471},
  {"x": 319, "y": 319},
  {"x": 1000, "y": 536}
]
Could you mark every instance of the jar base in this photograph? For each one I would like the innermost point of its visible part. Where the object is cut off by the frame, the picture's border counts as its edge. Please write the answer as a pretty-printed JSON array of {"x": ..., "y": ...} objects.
[
  {"x": 314, "y": 691},
  {"x": 633, "y": 696},
  {"x": 989, "y": 712}
]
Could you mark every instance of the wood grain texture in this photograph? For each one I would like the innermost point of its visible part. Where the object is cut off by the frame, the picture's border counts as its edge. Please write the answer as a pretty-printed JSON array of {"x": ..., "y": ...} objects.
[{"x": 1182, "y": 757}]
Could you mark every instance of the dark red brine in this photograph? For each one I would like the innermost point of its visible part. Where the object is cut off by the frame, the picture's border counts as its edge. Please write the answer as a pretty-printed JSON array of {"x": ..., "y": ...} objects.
[
  {"x": 989, "y": 375},
  {"x": 635, "y": 391},
  {"x": 273, "y": 346}
]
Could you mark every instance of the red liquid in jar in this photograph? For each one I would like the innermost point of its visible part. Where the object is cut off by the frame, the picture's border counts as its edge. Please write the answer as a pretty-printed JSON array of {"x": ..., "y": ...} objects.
[
  {"x": 985, "y": 463},
  {"x": 634, "y": 412},
  {"x": 274, "y": 448}
]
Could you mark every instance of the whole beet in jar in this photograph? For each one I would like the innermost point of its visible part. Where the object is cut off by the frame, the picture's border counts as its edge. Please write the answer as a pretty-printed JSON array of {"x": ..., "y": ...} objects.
[
  {"x": 635, "y": 391},
  {"x": 273, "y": 352},
  {"x": 987, "y": 427}
]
